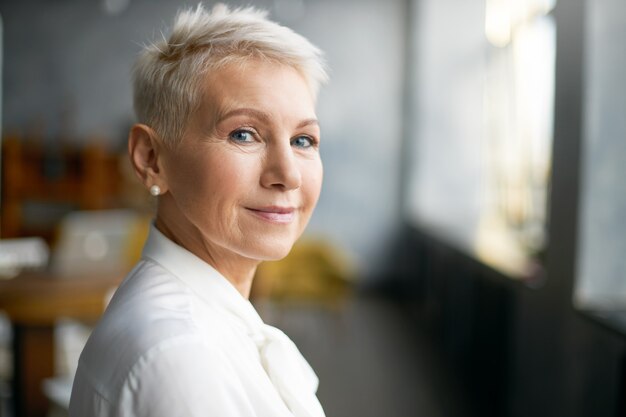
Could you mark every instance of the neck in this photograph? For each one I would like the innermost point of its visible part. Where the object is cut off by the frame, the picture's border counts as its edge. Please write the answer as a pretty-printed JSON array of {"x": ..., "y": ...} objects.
[{"x": 238, "y": 270}]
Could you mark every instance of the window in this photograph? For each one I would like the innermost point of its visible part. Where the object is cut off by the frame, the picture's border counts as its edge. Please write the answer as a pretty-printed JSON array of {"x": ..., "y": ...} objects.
[
  {"x": 601, "y": 283},
  {"x": 484, "y": 94}
]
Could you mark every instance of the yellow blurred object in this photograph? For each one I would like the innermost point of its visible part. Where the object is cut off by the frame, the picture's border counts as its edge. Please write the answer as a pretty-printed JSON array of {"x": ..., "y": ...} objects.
[{"x": 314, "y": 271}]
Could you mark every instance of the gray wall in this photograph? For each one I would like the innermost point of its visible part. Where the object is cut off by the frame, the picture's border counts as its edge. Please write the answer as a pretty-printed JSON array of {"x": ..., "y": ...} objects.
[
  {"x": 446, "y": 176},
  {"x": 66, "y": 75}
]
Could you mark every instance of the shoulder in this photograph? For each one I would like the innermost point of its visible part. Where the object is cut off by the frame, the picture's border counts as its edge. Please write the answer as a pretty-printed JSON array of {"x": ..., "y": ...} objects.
[
  {"x": 151, "y": 310},
  {"x": 179, "y": 376},
  {"x": 150, "y": 305}
]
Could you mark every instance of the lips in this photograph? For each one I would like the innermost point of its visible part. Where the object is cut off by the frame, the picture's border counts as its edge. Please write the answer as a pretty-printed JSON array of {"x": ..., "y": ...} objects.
[{"x": 274, "y": 214}]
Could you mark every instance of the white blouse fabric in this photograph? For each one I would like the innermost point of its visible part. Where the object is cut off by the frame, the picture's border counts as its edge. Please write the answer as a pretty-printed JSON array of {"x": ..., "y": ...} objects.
[{"x": 178, "y": 339}]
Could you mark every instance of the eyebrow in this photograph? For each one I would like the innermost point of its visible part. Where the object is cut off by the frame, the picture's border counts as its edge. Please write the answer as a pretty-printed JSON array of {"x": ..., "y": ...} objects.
[
  {"x": 308, "y": 122},
  {"x": 260, "y": 115}
]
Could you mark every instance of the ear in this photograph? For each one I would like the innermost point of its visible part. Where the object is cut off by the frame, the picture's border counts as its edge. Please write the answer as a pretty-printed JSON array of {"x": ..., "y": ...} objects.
[{"x": 144, "y": 149}]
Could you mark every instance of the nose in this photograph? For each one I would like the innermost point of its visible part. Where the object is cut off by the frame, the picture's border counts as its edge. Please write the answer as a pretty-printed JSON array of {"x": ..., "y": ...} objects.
[{"x": 281, "y": 168}]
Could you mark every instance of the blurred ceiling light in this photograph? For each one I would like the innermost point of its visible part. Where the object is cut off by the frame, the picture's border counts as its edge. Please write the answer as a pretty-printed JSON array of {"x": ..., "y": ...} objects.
[
  {"x": 504, "y": 17},
  {"x": 114, "y": 7}
]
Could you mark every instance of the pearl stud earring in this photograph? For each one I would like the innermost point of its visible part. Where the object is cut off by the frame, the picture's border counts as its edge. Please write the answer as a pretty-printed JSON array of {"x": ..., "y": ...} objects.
[{"x": 155, "y": 190}]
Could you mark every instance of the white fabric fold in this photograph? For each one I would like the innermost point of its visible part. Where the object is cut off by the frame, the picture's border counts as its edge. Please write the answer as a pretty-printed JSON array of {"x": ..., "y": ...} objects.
[{"x": 290, "y": 373}]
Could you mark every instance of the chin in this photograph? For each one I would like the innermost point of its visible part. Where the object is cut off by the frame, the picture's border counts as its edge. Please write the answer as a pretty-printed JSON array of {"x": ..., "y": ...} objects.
[
  {"x": 275, "y": 255},
  {"x": 272, "y": 251}
]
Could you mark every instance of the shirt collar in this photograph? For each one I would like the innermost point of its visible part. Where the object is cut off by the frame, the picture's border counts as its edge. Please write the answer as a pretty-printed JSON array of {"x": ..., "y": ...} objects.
[
  {"x": 200, "y": 277},
  {"x": 289, "y": 372}
]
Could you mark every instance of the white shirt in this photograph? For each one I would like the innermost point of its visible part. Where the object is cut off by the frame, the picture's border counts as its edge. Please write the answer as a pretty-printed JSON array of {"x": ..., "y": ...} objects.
[{"x": 178, "y": 339}]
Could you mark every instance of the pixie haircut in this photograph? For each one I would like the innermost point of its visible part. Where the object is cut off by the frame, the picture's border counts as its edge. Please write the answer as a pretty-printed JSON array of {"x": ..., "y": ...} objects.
[{"x": 168, "y": 74}]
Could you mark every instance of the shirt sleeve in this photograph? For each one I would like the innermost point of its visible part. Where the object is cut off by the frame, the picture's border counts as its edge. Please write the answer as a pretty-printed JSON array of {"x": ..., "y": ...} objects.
[{"x": 183, "y": 377}]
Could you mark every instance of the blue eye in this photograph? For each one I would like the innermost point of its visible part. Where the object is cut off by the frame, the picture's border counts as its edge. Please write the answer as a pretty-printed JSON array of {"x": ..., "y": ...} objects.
[
  {"x": 241, "y": 136},
  {"x": 302, "y": 142}
]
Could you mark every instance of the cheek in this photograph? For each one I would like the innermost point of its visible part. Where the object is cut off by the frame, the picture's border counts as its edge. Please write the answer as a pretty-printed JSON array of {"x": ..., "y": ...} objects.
[
  {"x": 193, "y": 180},
  {"x": 313, "y": 173}
]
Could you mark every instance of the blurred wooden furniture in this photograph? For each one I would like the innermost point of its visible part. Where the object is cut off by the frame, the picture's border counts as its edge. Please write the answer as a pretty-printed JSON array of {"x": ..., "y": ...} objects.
[
  {"x": 34, "y": 303},
  {"x": 42, "y": 183}
]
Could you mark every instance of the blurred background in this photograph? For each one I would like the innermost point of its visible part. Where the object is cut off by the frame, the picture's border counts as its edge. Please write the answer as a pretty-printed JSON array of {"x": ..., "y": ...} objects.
[{"x": 467, "y": 256}]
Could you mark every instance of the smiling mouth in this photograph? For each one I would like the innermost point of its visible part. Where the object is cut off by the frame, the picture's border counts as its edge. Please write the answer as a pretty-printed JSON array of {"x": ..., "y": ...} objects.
[{"x": 282, "y": 215}]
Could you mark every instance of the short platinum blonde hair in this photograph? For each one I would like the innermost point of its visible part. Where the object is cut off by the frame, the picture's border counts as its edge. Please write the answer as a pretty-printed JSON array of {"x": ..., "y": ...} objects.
[{"x": 168, "y": 74}]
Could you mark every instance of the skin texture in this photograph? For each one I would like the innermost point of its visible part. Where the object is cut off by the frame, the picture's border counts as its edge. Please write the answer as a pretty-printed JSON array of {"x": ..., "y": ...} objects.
[{"x": 242, "y": 184}]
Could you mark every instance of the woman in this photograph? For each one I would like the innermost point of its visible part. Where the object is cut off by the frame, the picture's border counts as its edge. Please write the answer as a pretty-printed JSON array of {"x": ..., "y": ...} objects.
[{"x": 227, "y": 141}]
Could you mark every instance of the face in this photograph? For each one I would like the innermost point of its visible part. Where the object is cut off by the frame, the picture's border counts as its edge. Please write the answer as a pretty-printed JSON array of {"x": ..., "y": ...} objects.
[{"x": 247, "y": 174}]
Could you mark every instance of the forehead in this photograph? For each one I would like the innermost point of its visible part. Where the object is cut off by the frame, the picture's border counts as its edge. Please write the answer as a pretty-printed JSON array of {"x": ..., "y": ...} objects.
[{"x": 270, "y": 87}]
